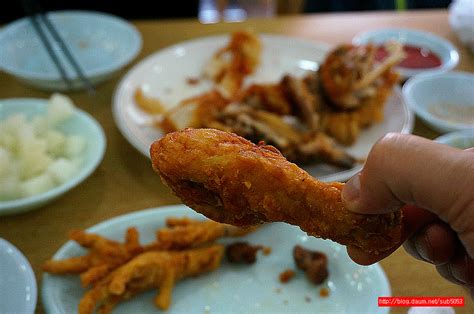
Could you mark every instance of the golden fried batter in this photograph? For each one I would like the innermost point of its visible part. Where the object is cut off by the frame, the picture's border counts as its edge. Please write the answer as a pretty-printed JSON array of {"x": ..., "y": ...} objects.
[
  {"x": 232, "y": 180},
  {"x": 151, "y": 270}
]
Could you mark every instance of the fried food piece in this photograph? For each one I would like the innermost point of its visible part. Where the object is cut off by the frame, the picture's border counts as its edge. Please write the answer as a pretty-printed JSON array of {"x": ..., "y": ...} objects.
[
  {"x": 104, "y": 256},
  {"x": 230, "y": 64},
  {"x": 194, "y": 234},
  {"x": 231, "y": 180},
  {"x": 313, "y": 263},
  {"x": 286, "y": 275},
  {"x": 150, "y": 270},
  {"x": 195, "y": 112},
  {"x": 350, "y": 76},
  {"x": 148, "y": 104},
  {"x": 242, "y": 253}
]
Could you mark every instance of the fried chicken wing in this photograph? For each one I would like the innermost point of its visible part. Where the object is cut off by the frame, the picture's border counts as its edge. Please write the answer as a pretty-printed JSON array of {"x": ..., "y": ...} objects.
[{"x": 231, "y": 180}]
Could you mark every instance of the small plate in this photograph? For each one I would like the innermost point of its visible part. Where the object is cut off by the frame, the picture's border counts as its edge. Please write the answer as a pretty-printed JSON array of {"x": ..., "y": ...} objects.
[
  {"x": 17, "y": 281},
  {"x": 460, "y": 139},
  {"x": 445, "y": 101},
  {"x": 81, "y": 124},
  {"x": 160, "y": 77},
  {"x": 236, "y": 288},
  {"x": 101, "y": 43},
  {"x": 444, "y": 49}
]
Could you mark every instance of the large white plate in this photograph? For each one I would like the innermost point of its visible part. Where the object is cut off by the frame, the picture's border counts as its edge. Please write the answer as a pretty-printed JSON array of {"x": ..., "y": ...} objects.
[
  {"x": 163, "y": 75},
  {"x": 236, "y": 288}
]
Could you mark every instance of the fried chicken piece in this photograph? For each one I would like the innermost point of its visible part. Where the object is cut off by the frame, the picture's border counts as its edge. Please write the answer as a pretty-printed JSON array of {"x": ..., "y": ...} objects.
[
  {"x": 350, "y": 76},
  {"x": 242, "y": 253},
  {"x": 149, "y": 270},
  {"x": 230, "y": 64},
  {"x": 104, "y": 256},
  {"x": 313, "y": 263},
  {"x": 231, "y": 180},
  {"x": 195, "y": 234}
]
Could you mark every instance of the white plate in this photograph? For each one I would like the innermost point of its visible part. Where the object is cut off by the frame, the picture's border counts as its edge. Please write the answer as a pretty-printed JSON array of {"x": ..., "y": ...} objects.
[
  {"x": 163, "y": 75},
  {"x": 81, "y": 123},
  {"x": 17, "y": 281},
  {"x": 237, "y": 289}
]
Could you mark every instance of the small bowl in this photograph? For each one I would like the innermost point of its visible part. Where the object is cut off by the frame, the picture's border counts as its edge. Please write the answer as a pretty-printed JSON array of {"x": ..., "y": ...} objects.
[
  {"x": 81, "y": 123},
  {"x": 441, "y": 47},
  {"x": 101, "y": 43},
  {"x": 18, "y": 283},
  {"x": 460, "y": 139},
  {"x": 444, "y": 101}
]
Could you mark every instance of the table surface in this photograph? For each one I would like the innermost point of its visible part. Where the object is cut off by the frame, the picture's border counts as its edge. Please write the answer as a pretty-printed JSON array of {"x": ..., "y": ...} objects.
[{"x": 124, "y": 182}]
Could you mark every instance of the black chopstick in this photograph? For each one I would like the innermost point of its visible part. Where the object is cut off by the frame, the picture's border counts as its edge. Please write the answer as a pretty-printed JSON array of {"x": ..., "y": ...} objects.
[
  {"x": 66, "y": 52},
  {"x": 33, "y": 10}
]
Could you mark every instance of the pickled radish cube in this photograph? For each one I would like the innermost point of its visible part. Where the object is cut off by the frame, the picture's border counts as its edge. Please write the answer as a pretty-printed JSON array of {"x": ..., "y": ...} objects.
[
  {"x": 37, "y": 185},
  {"x": 61, "y": 170},
  {"x": 75, "y": 145},
  {"x": 55, "y": 142},
  {"x": 60, "y": 108}
]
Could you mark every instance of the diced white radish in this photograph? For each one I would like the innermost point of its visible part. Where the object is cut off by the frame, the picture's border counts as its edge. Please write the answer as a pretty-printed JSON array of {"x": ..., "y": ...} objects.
[
  {"x": 60, "y": 108},
  {"x": 55, "y": 142},
  {"x": 75, "y": 145},
  {"x": 61, "y": 170},
  {"x": 36, "y": 185},
  {"x": 9, "y": 187}
]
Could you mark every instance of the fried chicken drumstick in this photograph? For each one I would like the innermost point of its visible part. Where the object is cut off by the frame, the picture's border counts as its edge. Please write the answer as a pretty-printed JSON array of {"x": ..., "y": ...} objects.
[{"x": 229, "y": 179}]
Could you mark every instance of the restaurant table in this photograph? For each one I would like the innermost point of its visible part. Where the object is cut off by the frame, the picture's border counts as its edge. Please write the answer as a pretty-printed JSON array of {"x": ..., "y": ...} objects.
[{"x": 124, "y": 182}]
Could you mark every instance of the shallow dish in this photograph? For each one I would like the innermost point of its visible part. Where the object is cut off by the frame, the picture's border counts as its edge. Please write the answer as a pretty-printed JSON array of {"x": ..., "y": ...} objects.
[
  {"x": 444, "y": 101},
  {"x": 17, "y": 281},
  {"x": 101, "y": 43},
  {"x": 81, "y": 124},
  {"x": 233, "y": 288},
  {"x": 460, "y": 139},
  {"x": 446, "y": 51},
  {"x": 159, "y": 76}
]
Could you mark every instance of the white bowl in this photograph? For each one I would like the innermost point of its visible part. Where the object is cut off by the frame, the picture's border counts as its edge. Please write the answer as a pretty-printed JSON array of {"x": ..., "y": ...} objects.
[
  {"x": 444, "y": 101},
  {"x": 444, "y": 49},
  {"x": 81, "y": 124},
  {"x": 101, "y": 43},
  {"x": 17, "y": 281},
  {"x": 460, "y": 139}
]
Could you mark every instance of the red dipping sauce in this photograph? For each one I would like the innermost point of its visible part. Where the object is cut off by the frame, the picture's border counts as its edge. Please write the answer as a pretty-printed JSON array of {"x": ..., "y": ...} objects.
[{"x": 416, "y": 57}]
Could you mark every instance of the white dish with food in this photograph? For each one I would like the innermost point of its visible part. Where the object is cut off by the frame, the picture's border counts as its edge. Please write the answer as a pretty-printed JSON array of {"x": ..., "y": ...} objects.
[
  {"x": 101, "y": 43},
  {"x": 425, "y": 52},
  {"x": 17, "y": 281},
  {"x": 47, "y": 147},
  {"x": 444, "y": 101},
  {"x": 159, "y": 77},
  {"x": 236, "y": 288}
]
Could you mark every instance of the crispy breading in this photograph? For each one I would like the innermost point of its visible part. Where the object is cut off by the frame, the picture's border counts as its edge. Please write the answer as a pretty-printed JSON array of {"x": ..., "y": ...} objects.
[
  {"x": 149, "y": 270},
  {"x": 231, "y": 180}
]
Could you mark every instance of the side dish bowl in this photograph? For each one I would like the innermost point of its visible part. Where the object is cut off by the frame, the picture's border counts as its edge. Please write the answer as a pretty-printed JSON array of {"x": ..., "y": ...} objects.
[
  {"x": 81, "y": 123},
  {"x": 445, "y": 101},
  {"x": 101, "y": 43}
]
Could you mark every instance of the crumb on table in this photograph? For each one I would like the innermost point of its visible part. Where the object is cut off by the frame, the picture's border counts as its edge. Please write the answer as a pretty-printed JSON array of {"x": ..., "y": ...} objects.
[{"x": 324, "y": 292}]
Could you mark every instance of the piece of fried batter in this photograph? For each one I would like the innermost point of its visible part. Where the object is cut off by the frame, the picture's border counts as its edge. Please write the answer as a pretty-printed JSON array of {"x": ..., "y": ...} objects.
[
  {"x": 231, "y": 180},
  {"x": 155, "y": 269}
]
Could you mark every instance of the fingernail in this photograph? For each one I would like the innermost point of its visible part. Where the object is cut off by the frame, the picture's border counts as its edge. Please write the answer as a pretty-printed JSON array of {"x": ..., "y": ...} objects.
[
  {"x": 421, "y": 245},
  {"x": 351, "y": 190}
]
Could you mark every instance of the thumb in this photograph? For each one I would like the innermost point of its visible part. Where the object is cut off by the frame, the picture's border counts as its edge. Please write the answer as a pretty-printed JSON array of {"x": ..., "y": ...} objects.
[{"x": 406, "y": 169}]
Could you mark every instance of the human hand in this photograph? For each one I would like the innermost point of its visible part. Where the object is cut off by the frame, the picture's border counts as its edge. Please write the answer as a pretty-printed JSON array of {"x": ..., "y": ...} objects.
[{"x": 438, "y": 182}]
